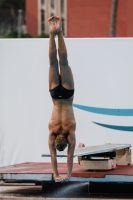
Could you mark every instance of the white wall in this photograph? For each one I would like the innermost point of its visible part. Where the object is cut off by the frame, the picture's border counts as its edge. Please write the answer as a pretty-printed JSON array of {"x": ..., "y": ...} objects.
[{"x": 103, "y": 72}]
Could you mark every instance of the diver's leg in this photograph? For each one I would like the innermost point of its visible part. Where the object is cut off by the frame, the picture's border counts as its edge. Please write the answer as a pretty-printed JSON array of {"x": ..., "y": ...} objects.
[
  {"x": 65, "y": 71},
  {"x": 54, "y": 78}
]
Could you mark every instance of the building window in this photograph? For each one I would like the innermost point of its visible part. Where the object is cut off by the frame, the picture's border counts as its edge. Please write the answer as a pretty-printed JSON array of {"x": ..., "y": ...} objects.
[
  {"x": 42, "y": 21},
  {"x": 63, "y": 25},
  {"x": 42, "y": 2},
  {"x": 62, "y": 6},
  {"x": 52, "y": 3}
]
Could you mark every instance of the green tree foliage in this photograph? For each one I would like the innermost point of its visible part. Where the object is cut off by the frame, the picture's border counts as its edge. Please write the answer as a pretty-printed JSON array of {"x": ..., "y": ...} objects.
[
  {"x": 15, "y": 4},
  {"x": 10, "y": 7},
  {"x": 43, "y": 36},
  {"x": 9, "y": 15},
  {"x": 14, "y": 34}
]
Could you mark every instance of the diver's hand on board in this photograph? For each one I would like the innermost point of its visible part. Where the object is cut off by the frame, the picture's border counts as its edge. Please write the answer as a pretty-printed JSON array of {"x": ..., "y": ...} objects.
[{"x": 61, "y": 178}]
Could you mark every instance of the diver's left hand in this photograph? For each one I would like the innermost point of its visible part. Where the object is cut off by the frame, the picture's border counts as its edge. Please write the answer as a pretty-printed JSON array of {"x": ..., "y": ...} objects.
[
  {"x": 66, "y": 178},
  {"x": 62, "y": 178}
]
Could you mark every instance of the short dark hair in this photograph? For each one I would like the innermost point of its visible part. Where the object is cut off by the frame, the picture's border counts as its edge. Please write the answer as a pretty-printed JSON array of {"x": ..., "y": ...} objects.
[{"x": 60, "y": 142}]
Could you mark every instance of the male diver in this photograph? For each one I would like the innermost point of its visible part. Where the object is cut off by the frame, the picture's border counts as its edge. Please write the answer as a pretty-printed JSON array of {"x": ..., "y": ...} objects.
[{"x": 62, "y": 124}]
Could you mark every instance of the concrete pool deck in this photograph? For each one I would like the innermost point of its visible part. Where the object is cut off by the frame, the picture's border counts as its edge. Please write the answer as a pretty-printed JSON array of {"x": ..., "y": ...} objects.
[
  {"x": 32, "y": 192},
  {"x": 21, "y": 178},
  {"x": 42, "y": 172}
]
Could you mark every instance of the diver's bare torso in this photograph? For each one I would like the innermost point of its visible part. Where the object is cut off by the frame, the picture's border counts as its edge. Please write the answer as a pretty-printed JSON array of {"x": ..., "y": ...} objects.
[{"x": 62, "y": 120}]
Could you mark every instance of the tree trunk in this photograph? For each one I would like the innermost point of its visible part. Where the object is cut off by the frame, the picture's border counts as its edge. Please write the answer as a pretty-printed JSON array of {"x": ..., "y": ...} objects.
[
  {"x": 113, "y": 18},
  {"x": 12, "y": 12}
]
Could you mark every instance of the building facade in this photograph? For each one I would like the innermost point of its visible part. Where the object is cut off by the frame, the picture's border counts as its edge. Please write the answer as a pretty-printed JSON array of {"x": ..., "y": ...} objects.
[
  {"x": 38, "y": 12},
  {"x": 81, "y": 18},
  {"x": 92, "y": 18}
]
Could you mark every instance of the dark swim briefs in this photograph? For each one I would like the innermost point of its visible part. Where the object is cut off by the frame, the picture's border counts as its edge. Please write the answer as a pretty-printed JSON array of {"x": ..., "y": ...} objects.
[{"x": 59, "y": 92}]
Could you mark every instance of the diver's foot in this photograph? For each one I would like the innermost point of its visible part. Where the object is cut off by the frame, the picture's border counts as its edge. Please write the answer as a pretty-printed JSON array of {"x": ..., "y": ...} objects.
[{"x": 55, "y": 24}]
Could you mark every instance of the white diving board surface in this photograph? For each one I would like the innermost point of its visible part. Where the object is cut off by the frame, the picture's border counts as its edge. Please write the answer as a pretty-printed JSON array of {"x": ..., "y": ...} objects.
[{"x": 91, "y": 150}]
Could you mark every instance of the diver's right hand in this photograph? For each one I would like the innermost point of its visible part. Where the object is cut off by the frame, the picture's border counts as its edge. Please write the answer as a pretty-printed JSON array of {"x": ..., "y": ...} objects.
[{"x": 60, "y": 178}]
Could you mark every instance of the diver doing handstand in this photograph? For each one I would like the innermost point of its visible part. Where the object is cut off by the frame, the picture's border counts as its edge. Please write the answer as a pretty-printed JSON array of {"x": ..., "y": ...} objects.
[{"x": 62, "y": 124}]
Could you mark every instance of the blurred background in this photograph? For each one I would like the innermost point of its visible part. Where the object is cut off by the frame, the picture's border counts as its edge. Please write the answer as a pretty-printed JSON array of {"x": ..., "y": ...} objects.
[{"x": 80, "y": 18}]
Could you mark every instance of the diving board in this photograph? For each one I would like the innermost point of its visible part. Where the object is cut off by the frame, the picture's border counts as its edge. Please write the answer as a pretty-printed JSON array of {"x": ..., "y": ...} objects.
[
  {"x": 100, "y": 157},
  {"x": 92, "y": 150}
]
